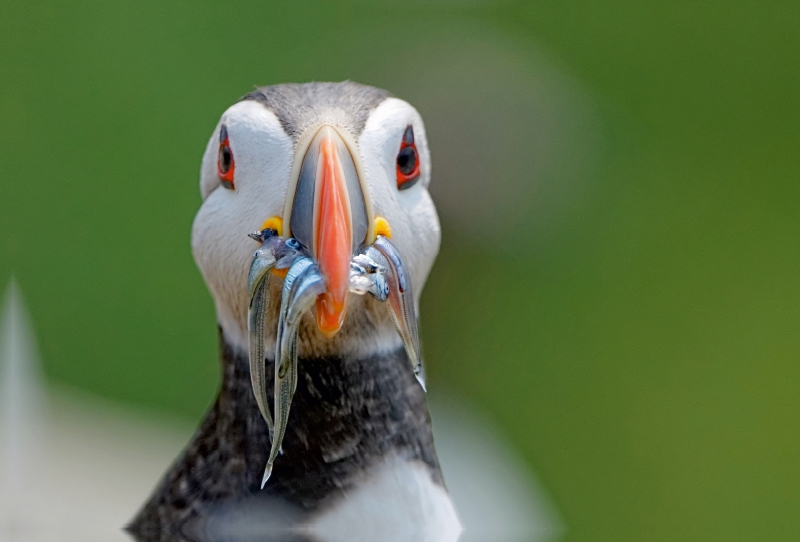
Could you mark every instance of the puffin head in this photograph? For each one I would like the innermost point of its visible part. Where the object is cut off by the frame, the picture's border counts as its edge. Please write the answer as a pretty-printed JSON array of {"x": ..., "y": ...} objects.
[{"x": 334, "y": 166}]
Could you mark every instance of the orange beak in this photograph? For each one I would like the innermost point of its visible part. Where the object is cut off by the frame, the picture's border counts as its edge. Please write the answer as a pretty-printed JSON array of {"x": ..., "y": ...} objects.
[
  {"x": 333, "y": 239},
  {"x": 328, "y": 215}
]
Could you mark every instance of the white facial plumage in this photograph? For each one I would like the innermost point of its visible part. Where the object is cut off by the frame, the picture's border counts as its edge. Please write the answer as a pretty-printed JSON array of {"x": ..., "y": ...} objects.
[{"x": 263, "y": 154}]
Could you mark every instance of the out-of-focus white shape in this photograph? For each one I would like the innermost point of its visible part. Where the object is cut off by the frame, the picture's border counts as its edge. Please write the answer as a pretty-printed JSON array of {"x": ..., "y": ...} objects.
[
  {"x": 77, "y": 468},
  {"x": 496, "y": 495},
  {"x": 20, "y": 397},
  {"x": 72, "y": 469}
]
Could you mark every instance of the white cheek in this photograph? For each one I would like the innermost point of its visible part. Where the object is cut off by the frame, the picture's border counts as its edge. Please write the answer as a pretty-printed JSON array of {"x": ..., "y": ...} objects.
[
  {"x": 222, "y": 252},
  {"x": 221, "y": 247},
  {"x": 431, "y": 236},
  {"x": 208, "y": 168},
  {"x": 411, "y": 213},
  {"x": 410, "y": 198},
  {"x": 416, "y": 234}
]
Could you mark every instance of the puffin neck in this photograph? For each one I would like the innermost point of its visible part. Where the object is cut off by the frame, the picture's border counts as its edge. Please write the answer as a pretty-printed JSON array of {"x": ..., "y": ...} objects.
[{"x": 347, "y": 416}]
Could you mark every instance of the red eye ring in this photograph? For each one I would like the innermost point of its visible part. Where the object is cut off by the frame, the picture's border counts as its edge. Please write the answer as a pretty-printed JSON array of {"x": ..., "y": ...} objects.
[
  {"x": 407, "y": 161},
  {"x": 225, "y": 162}
]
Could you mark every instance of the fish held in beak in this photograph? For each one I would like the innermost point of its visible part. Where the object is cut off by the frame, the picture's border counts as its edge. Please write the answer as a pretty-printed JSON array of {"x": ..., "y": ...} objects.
[
  {"x": 402, "y": 306},
  {"x": 376, "y": 269},
  {"x": 329, "y": 250},
  {"x": 301, "y": 288},
  {"x": 274, "y": 250}
]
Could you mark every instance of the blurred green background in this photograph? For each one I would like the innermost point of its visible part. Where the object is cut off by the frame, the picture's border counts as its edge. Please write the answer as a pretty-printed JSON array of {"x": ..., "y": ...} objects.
[{"x": 618, "y": 184}]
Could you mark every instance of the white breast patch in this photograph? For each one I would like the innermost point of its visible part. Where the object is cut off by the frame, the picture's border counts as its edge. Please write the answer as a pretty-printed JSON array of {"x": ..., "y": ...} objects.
[{"x": 397, "y": 501}]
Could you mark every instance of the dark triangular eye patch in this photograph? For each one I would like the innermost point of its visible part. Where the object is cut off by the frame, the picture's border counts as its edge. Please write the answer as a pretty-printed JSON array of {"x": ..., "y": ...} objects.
[
  {"x": 225, "y": 163},
  {"x": 407, "y": 161}
]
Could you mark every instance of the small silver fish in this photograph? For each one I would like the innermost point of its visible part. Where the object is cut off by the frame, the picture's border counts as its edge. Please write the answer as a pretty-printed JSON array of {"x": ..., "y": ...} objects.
[
  {"x": 367, "y": 275},
  {"x": 401, "y": 300},
  {"x": 275, "y": 252},
  {"x": 301, "y": 287},
  {"x": 258, "y": 280}
]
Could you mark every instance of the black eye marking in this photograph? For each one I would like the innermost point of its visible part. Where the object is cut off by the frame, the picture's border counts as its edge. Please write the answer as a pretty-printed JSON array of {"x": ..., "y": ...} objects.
[
  {"x": 407, "y": 161},
  {"x": 225, "y": 162}
]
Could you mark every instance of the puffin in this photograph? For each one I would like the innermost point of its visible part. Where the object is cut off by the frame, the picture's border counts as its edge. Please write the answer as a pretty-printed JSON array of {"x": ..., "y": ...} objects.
[{"x": 315, "y": 237}]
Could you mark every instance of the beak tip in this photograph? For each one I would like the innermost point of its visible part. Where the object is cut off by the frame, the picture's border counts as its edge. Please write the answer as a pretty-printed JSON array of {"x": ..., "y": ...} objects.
[{"x": 330, "y": 315}]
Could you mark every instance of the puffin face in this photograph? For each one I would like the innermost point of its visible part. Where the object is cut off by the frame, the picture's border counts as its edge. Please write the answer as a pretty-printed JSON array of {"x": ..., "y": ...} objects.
[{"x": 332, "y": 165}]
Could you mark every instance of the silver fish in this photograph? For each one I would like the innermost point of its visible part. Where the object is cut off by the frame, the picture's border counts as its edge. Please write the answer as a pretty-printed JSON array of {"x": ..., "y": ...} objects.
[
  {"x": 258, "y": 279},
  {"x": 300, "y": 290},
  {"x": 367, "y": 275},
  {"x": 401, "y": 301},
  {"x": 302, "y": 296}
]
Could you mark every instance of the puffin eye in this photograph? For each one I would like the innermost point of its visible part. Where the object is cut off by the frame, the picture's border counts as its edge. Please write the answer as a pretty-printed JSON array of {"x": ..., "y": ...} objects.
[
  {"x": 407, "y": 161},
  {"x": 225, "y": 163}
]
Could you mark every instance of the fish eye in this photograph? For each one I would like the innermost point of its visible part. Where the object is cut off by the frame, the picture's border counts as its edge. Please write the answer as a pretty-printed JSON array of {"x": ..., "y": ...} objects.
[
  {"x": 225, "y": 162},
  {"x": 293, "y": 243},
  {"x": 407, "y": 161}
]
